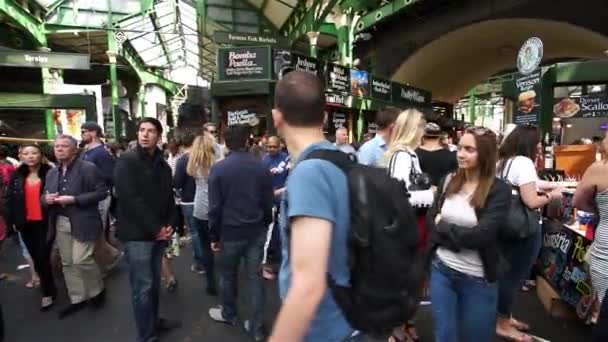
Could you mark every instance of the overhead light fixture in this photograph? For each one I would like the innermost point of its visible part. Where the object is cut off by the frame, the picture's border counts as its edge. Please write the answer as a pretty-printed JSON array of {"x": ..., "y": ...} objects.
[
  {"x": 112, "y": 57},
  {"x": 557, "y": 119},
  {"x": 569, "y": 126}
]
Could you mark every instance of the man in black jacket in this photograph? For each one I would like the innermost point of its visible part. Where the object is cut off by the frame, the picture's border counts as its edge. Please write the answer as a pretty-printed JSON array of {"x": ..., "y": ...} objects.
[
  {"x": 240, "y": 210},
  {"x": 146, "y": 209}
]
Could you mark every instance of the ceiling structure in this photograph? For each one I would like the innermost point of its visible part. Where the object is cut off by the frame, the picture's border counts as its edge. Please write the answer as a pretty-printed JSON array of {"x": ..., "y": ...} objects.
[{"x": 450, "y": 71}]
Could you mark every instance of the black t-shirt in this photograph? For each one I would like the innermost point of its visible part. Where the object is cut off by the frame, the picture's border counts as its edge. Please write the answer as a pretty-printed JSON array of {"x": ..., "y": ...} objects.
[{"x": 437, "y": 164}]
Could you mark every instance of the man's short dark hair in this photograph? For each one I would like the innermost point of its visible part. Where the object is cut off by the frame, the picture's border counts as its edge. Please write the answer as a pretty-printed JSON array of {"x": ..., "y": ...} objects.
[
  {"x": 387, "y": 117},
  {"x": 236, "y": 137},
  {"x": 154, "y": 122},
  {"x": 300, "y": 96},
  {"x": 186, "y": 138},
  {"x": 92, "y": 127}
]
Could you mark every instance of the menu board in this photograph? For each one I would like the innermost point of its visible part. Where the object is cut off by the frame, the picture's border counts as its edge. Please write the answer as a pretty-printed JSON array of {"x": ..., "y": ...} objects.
[
  {"x": 338, "y": 120},
  {"x": 338, "y": 78},
  {"x": 285, "y": 61},
  {"x": 588, "y": 106},
  {"x": 527, "y": 110},
  {"x": 562, "y": 265},
  {"x": 244, "y": 63},
  {"x": 381, "y": 89},
  {"x": 410, "y": 95},
  {"x": 359, "y": 83}
]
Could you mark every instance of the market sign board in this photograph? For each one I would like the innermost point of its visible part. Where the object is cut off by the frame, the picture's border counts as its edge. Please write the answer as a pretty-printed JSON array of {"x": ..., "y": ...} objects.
[
  {"x": 528, "y": 108},
  {"x": 306, "y": 64},
  {"x": 333, "y": 99},
  {"x": 41, "y": 59},
  {"x": 241, "y": 38},
  {"x": 240, "y": 117},
  {"x": 359, "y": 83},
  {"x": 339, "y": 120},
  {"x": 246, "y": 63},
  {"x": 381, "y": 89},
  {"x": 410, "y": 95},
  {"x": 588, "y": 106},
  {"x": 338, "y": 78}
]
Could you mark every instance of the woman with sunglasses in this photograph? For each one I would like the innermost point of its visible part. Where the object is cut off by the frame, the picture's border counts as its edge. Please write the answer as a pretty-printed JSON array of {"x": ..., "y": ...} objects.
[
  {"x": 516, "y": 166},
  {"x": 23, "y": 210},
  {"x": 464, "y": 224}
]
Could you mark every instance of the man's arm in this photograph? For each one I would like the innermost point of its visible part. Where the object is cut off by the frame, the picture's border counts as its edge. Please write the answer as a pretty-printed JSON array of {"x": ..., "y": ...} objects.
[
  {"x": 215, "y": 205},
  {"x": 106, "y": 164},
  {"x": 267, "y": 197},
  {"x": 95, "y": 186},
  {"x": 181, "y": 173},
  {"x": 310, "y": 245}
]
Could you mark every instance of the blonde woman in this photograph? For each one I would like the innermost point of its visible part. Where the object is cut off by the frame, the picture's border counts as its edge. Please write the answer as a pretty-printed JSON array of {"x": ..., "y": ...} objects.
[
  {"x": 202, "y": 157},
  {"x": 403, "y": 164}
]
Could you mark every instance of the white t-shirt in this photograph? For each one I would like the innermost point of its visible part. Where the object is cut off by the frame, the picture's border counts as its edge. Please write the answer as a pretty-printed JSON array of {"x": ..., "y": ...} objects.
[
  {"x": 401, "y": 170},
  {"x": 457, "y": 210},
  {"x": 522, "y": 171}
]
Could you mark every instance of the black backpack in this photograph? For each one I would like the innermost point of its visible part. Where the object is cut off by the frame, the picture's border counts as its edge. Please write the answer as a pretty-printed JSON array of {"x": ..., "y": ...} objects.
[{"x": 386, "y": 264}]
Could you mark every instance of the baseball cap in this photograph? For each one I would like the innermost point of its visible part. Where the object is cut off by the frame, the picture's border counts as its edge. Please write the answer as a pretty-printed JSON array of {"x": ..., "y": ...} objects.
[
  {"x": 93, "y": 127},
  {"x": 432, "y": 130}
]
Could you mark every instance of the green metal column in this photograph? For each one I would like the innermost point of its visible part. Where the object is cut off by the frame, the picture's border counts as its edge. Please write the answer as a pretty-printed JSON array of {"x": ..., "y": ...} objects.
[
  {"x": 112, "y": 54},
  {"x": 313, "y": 37},
  {"x": 472, "y": 109},
  {"x": 142, "y": 100},
  {"x": 49, "y": 80},
  {"x": 343, "y": 28},
  {"x": 215, "y": 111}
]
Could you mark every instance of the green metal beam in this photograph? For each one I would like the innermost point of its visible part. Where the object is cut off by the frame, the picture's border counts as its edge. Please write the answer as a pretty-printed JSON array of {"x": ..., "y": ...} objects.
[
  {"x": 311, "y": 21},
  {"x": 24, "y": 19},
  {"x": 329, "y": 29},
  {"x": 201, "y": 22},
  {"x": 163, "y": 44},
  {"x": 263, "y": 18},
  {"x": 67, "y": 17},
  {"x": 146, "y": 76},
  {"x": 374, "y": 17},
  {"x": 52, "y": 7}
]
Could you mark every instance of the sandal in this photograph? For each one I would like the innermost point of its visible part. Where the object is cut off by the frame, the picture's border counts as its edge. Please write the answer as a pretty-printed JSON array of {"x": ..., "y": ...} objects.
[
  {"x": 172, "y": 286},
  {"x": 519, "y": 325},
  {"x": 46, "y": 303},
  {"x": 32, "y": 284}
]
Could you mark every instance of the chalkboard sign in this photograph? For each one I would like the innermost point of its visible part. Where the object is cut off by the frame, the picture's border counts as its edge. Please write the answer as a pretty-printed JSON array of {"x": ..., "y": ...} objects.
[{"x": 562, "y": 265}]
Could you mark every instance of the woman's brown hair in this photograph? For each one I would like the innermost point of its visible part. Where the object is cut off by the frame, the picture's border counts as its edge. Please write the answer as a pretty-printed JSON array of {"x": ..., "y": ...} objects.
[{"x": 487, "y": 155}]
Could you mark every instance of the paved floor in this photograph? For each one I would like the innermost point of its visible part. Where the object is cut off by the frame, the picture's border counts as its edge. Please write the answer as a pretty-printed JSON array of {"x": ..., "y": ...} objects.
[{"x": 25, "y": 323}]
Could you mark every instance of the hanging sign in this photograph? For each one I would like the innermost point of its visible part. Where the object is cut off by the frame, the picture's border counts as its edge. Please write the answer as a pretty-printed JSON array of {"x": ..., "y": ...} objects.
[
  {"x": 359, "y": 83},
  {"x": 335, "y": 99},
  {"x": 285, "y": 61},
  {"x": 588, "y": 106},
  {"x": 338, "y": 78},
  {"x": 381, "y": 89},
  {"x": 306, "y": 64},
  {"x": 41, "y": 59},
  {"x": 240, "y": 117},
  {"x": 410, "y": 95},
  {"x": 530, "y": 56},
  {"x": 242, "y": 38},
  {"x": 244, "y": 63},
  {"x": 529, "y": 89}
]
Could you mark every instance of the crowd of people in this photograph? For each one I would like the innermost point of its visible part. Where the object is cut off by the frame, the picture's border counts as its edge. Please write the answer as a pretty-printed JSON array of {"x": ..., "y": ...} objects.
[{"x": 285, "y": 216}]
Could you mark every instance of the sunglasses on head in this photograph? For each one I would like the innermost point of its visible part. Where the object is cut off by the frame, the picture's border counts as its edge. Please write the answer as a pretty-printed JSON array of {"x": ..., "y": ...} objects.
[{"x": 478, "y": 130}]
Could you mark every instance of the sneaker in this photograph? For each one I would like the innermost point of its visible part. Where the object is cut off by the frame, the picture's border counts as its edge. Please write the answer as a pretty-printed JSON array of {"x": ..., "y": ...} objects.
[
  {"x": 196, "y": 269},
  {"x": 216, "y": 315},
  {"x": 257, "y": 336}
]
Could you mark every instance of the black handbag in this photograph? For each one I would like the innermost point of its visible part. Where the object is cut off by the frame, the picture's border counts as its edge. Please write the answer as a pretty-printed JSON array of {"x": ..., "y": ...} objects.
[
  {"x": 522, "y": 221},
  {"x": 419, "y": 181}
]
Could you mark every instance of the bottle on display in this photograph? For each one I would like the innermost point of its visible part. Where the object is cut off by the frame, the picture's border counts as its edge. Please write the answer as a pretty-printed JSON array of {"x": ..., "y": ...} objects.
[{"x": 549, "y": 157}]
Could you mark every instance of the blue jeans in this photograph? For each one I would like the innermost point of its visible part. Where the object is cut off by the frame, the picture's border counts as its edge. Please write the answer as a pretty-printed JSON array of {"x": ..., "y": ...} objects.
[
  {"x": 232, "y": 252},
  {"x": 521, "y": 256},
  {"x": 188, "y": 211},
  {"x": 463, "y": 305},
  {"x": 144, "y": 259},
  {"x": 203, "y": 244}
]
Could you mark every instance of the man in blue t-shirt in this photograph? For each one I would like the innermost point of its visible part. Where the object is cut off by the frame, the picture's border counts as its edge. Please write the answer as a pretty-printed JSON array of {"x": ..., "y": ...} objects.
[
  {"x": 314, "y": 220},
  {"x": 277, "y": 162}
]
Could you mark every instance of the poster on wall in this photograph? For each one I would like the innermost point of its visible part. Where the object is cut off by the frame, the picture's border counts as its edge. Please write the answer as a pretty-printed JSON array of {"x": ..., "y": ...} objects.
[
  {"x": 95, "y": 90},
  {"x": 285, "y": 61},
  {"x": 528, "y": 109},
  {"x": 244, "y": 63},
  {"x": 359, "y": 83},
  {"x": 338, "y": 78},
  {"x": 588, "y": 106},
  {"x": 69, "y": 121},
  {"x": 381, "y": 89}
]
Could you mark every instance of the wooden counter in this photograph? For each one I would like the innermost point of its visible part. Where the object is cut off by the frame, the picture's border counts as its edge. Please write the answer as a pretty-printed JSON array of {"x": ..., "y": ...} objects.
[{"x": 574, "y": 159}]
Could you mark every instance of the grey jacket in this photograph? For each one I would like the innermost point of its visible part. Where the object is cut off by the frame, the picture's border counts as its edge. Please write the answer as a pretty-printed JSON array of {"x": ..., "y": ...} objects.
[{"x": 88, "y": 186}]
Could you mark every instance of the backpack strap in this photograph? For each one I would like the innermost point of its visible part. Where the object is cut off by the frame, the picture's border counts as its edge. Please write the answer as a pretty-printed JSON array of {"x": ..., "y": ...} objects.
[{"x": 340, "y": 159}]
